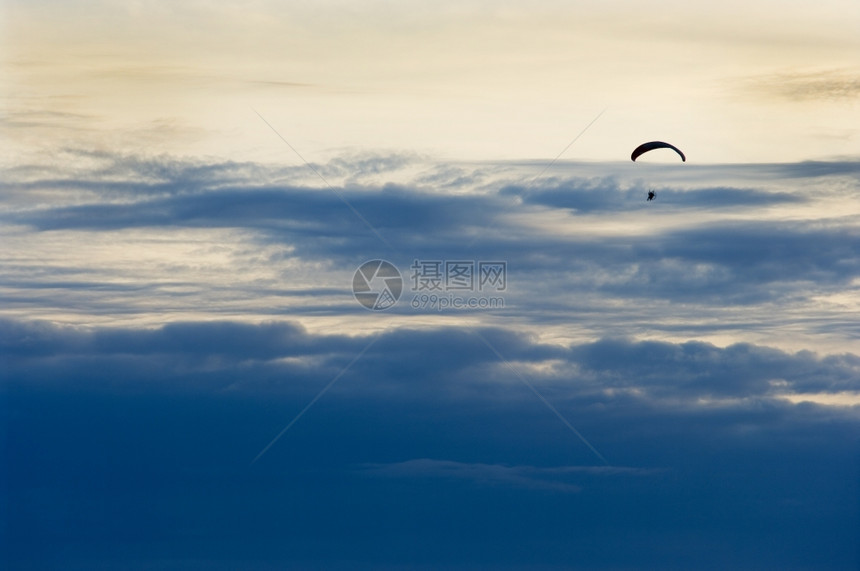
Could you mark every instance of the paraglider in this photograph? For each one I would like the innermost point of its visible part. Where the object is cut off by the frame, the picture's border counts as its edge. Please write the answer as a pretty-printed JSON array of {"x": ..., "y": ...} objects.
[{"x": 645, "y": 147}]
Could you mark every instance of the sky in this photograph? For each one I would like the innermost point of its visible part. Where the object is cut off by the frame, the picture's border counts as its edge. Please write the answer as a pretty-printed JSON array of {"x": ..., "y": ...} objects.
[{"x": 374, "y": 285}]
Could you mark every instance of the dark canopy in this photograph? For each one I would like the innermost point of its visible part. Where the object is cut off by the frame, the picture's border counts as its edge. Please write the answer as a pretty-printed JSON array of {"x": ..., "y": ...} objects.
[{"x": 645, "y": 147}]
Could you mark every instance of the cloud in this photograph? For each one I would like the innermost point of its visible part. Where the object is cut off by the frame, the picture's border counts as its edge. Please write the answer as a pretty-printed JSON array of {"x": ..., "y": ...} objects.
[
  {"x": 438, "y": 403},
  {"x": 832, "y": 85},
  {"x": 428, "y": 442},
  {"x": 555, "y": 479},
  {"x": 804, "y": 169},
  {"x": 590, "y": 195},
  {"x": 29, "y": 119},
  {"x": 221, "y": 237},
  {"x": 743, "y": 262},
  {"x": 447, "y": 359},
  {"x": 701, "y": 370}
]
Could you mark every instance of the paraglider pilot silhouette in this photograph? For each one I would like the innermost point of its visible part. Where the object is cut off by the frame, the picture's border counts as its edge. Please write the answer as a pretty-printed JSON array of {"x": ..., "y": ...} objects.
[{"x": 645, "y": 147}]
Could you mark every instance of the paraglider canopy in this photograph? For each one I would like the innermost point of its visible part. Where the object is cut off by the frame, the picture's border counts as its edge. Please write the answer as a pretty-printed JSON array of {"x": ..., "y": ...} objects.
[{"x": 645, "y": 147}]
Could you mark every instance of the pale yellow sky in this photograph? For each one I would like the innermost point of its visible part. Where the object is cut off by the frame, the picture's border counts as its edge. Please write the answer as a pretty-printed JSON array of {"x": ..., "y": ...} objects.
[
  {"x": 746, "y": 82},
  {"x": 753, "y": 81}
]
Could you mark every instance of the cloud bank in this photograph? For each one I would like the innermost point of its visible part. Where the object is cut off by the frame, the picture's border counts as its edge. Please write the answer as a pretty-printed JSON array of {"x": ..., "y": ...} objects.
[{"x": 165, "y": 319}]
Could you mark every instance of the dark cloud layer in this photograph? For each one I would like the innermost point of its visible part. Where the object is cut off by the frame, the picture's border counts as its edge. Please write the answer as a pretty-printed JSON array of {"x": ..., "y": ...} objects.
[
  {"x": 725, "y": 257},
  {"x": 132, "y": 448},
  {"x": 447, "y": 357},
  {"x": 586, "y": 196},
  {"x": 723, "y": 260}
]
